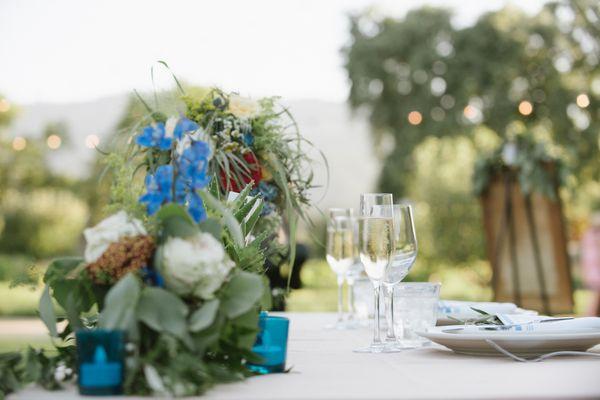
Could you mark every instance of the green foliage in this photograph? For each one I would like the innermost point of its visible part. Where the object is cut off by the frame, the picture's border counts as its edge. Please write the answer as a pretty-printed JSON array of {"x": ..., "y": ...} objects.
[
  {"x": 536, "y": 165},
  {"x": 421, "y": 63}
]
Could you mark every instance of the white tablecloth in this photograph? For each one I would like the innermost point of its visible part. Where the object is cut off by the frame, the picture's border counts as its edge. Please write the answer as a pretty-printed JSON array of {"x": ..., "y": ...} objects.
[{"x": 324, "y": 367}]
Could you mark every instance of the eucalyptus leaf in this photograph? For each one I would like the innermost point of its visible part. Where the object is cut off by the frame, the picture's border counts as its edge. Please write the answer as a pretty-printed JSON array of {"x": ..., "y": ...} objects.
[
  {"x": 163, "y": 311},
  {"x": 211, "y": 226},
  {"x": 46, "y": 310},
  {"x": 242, "y": 293},
  {"x": 204, "y": 316},
  {"x": 120, "y": 304}
]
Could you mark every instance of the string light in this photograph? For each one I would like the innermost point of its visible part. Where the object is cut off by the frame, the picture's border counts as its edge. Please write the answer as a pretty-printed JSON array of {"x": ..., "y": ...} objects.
[
  {"x": 4, "y": 105},
  {"x": 19, "y": 143},
  {"x": 415, "y": 118},
  {"x": 92, "y": 141},
  {"x": 53, "y": 142},
  {"x": 525, "y": 107},
  {"x": 470, "y": 112},
  {"x": 583, "y": 100}
]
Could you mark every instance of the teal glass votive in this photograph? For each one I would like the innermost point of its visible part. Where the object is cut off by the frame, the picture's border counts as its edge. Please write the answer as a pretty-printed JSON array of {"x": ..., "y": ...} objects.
[
  {"x": 271, "y": 344},
  {"x": 100, "y": 361}
]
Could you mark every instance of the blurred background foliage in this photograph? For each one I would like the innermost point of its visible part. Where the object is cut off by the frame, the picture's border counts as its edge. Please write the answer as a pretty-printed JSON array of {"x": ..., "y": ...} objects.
[{"x": 437, "y": 98}]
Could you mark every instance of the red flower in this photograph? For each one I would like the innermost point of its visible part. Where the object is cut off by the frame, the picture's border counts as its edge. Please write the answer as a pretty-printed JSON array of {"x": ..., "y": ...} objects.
[{"x": 231, "y": 184}]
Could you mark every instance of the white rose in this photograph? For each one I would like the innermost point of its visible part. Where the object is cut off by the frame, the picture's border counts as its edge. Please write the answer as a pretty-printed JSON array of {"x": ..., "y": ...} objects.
[
  {"x": 242, "y": 107},
  {"x": 195, "y": 266},
  {"x": 108, "y": 231}
]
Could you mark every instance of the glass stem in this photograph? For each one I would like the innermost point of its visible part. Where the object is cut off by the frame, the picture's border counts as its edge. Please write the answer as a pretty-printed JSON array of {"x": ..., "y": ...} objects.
[
  {"x": 389, "y": 313},
  {"x": 340, "y": 305},
  {"x": 350, "y": 282},
  {"x": 376, "y": 331}
]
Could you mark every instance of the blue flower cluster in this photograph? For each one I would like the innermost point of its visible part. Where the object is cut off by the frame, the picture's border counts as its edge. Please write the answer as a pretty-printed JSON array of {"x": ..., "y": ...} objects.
[
  {"x": 179, "y": 181},
  {"x": 268, "y": 193},
  {"x": 155, "y": 135}
]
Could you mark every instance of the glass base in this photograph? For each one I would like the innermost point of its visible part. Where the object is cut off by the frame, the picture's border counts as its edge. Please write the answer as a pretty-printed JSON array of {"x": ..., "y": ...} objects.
[
  {"x": 266, "y": 369},
  {"x": 373, "y": 348},
  {"x": 101, "y": 391}
]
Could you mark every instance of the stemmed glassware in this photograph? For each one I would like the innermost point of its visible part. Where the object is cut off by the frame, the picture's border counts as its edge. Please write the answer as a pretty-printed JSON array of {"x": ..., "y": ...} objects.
[
  {"x": 341, "y": 252},
  {"x": 403, "y": 258},
  {"x": 376, "y": 246}
]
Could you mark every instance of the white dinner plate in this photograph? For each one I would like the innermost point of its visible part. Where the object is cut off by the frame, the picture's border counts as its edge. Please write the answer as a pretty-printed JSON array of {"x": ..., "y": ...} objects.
[{"x": 524, "y": 344}]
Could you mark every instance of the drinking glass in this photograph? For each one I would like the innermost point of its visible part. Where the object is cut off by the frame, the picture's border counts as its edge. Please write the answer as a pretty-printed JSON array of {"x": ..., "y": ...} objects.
[
  {"x": 355, "y": 269},
  {"x": 416, "y": 311},
  {"x": 340, "y": 256},
  {"x": 403, "y": 258},
  {"x": 376, "y": 245}
]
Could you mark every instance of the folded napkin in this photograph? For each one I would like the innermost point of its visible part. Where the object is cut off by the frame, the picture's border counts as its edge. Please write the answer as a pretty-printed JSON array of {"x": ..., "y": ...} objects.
[
  {"x": 464, "y": 309},
  {"x": 537, "y": 324}
]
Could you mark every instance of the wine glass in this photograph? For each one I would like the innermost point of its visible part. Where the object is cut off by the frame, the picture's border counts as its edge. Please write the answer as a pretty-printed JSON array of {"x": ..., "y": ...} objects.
[
  {"x": 376, "y": 245},
  {"x": 355, "y": 269},
  {"x": 340, "y": 255},
  {"x": 403, "y": 258}
]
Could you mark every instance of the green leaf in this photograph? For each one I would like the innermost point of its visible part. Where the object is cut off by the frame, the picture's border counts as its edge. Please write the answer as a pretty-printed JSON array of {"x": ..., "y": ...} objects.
[
  {"x": 177, "y": 226},
  {"x": 211, "y": 226},
  {"x": 120, "y": 304},
  {"x": 60, "y": 269},
  {"x": 163, "y": 311},
  {"x": 242, "y": 293},
  {"x": 204, "y": 316},
  {"x": 46, "y": 310},
  {"x": 173, "y": 210},
  {"x": 234, "y": 228}
]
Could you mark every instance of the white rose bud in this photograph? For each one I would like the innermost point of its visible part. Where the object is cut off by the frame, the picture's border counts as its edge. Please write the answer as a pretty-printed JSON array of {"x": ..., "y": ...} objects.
[{"x": 195, "y": 266}]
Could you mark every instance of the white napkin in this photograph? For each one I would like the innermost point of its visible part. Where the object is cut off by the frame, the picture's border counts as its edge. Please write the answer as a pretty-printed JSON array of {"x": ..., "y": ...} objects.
[{"x": 462, "y": 309}]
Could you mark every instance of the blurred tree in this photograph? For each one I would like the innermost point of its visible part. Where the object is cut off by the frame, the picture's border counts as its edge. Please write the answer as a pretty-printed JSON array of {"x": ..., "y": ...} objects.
[
  {"x": 507, "y": 67},
  {"x": 40, "y": 213},
  {"x": 7, "y": 111},
  {"x": 420, "y": 78}
]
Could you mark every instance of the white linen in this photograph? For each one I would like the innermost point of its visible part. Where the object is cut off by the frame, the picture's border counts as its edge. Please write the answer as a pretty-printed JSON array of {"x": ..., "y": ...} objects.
[{"x": 324, "y": 367}]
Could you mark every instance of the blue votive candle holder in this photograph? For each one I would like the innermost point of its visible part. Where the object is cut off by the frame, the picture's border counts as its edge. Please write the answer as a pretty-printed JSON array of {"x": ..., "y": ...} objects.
[
  {"x": 100, "y": 361},
  {"x": 271, "y": 344}
]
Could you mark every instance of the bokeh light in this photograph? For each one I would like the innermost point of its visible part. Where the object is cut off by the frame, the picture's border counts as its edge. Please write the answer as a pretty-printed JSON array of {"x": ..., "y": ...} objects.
[
  {"x": 53, "y": 142},
  {"x": 583, "y": 100},
  {"x": 525, "y": 107},
  {"x": 92, "y": 141},
  {"x": 19, "y": 143},
  {"x": 4, "y": 105},
  {"x": 415, "y": 118},
  {"x": 470, "y": 112}
]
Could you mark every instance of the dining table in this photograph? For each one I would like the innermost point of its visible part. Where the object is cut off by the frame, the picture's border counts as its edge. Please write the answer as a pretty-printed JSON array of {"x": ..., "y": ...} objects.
[{"x": 321, "y": 364}]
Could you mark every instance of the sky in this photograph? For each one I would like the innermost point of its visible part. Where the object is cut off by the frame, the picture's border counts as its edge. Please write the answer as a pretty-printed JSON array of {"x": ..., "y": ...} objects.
[{"x": 72, "y": 50}]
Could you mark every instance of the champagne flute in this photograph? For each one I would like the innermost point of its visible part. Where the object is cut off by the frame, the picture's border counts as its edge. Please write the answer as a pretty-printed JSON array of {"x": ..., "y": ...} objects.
[
  {"x": 356, "y": 268},
  {"x": 376, "y": 244},
  {"x": 340, "y": 255},
  {"x": 404, "y": 256}
]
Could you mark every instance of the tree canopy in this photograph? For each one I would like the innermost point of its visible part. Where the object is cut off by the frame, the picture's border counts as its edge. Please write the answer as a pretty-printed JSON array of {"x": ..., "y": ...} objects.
[{"x": 420, "y": 77}]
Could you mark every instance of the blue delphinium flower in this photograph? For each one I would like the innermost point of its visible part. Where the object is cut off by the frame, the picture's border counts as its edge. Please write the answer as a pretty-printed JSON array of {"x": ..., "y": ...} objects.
[
  {"x": 193, "y": 165},
  {"x": 184, "y": 125},
  {"x": 158, "y": 189},
  {"x": 154, "y": 136},
  {"x": 196, "y": 206}
]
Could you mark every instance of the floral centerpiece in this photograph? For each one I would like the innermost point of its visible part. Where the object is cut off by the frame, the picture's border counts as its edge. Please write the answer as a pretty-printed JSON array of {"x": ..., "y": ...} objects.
[{"x": 185, "y": 276}]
